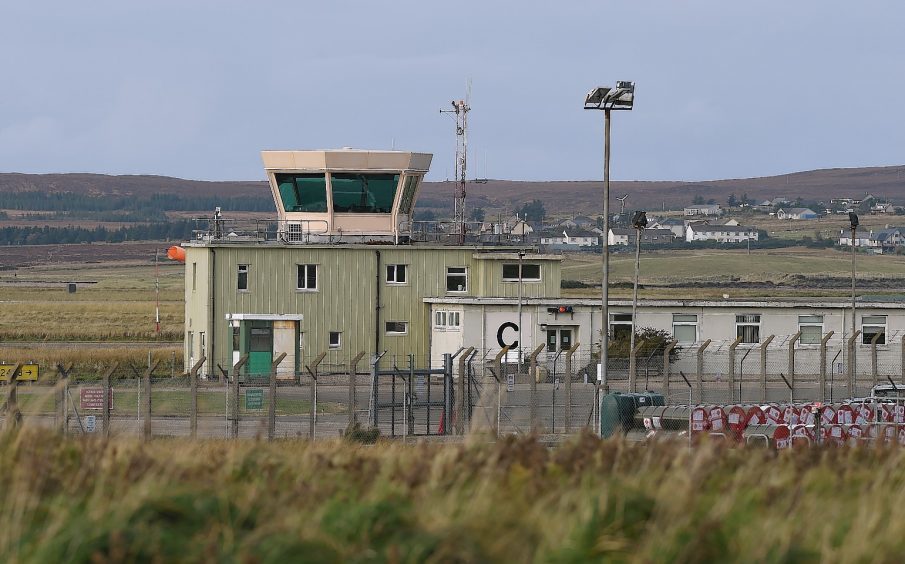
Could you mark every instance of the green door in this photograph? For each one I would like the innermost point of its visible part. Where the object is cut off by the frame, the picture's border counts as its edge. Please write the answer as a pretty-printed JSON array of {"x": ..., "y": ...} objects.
[{"x": 260, "y": 348}]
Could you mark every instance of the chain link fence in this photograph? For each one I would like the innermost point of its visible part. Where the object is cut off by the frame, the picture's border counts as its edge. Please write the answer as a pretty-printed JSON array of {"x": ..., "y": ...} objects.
[{"x": 492, "y": 390}]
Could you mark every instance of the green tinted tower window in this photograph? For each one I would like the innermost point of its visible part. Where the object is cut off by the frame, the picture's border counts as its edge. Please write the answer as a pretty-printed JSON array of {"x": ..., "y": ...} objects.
[
  {"x": 363, "y": 193},
  {"x": 303, "y": 192}
]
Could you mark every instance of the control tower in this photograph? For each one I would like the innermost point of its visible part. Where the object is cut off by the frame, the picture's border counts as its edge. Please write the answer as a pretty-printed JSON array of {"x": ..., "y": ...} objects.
[{"x": 346, "y": 194}]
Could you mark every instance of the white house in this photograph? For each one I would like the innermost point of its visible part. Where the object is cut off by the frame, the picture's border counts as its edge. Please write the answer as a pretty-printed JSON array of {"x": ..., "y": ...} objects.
[
  {"x": 577, "y": 239},
  {"x": 648, "y": 236},
  {"x": 796, "y": 213},
  {"x": 881, "y": 240},
  {"x": 677, "y": 226},
  {"x": 704, "y": 209},
  {"x": 720, "y": 233}
]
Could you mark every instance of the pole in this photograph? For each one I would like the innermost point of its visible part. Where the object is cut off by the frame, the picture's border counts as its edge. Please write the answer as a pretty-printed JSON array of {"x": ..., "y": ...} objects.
[
  {"x": 631, "y": 347},
  {"x": 854, "y": 229},
  {"x": 520, "y": 255},
  {"x": 605, "y": 254}
]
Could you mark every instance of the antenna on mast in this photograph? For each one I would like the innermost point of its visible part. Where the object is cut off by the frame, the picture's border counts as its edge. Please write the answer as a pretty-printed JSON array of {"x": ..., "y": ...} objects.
[{"x": 461, "y": 109}]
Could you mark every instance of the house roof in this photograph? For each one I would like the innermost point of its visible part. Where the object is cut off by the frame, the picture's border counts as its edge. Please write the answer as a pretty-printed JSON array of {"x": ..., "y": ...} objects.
[
  {"x": 702, "y": 206},
  {"x": 797, "y": 211}
]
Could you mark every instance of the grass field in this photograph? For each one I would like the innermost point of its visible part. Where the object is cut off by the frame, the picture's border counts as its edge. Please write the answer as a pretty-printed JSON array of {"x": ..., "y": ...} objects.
[
  {"x": 510, "y": 501},
  {"x": 117, "y": 302},
  {"x": 774, "y": 265}
]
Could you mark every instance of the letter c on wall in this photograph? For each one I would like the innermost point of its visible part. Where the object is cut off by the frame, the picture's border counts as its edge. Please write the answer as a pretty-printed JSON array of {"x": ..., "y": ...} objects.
[{"x": 499, "y": 334}]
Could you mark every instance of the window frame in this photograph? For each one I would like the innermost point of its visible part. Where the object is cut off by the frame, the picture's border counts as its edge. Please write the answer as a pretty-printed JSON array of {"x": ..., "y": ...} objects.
[
  {"x": 748, "y": 323},
  {"x": 524, "y": 278},
  {"x": 386, "y": 328},
  {"x": 298, "y": 271},
  {"x": 464, "y": 274},
  {"x": 621, "y": 323},
  {"x": 397, "y": 268},
  {"x": 684, "y": 323},
  {"x": 242, "y": 271},
  {"x": 804, "y": 323},
  {"x": 339, "y": 340},
  {"x": 443, "y": 320},
  {"x": 871, "y": 321}
]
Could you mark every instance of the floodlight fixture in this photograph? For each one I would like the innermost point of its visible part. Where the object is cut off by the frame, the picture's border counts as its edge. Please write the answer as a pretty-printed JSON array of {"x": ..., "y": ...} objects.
[
  {"x": 853, "y": 218},
  {"x": 639, "y": 219},
  {"x": 621, "y": 97}
]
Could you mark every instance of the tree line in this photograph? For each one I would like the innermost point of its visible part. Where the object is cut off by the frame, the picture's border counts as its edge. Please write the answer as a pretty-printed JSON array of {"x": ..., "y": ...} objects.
[
  {"x": 169, "y": 231},
  {"x": 151, "y": 205}
]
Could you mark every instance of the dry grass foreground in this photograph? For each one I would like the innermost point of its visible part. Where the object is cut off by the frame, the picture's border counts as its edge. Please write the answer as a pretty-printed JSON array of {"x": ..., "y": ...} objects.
[{"x": 511, "y": 501}]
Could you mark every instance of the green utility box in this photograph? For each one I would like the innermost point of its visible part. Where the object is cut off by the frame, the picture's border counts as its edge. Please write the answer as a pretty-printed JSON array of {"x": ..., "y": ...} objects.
[{"x": 618, "y": 409}]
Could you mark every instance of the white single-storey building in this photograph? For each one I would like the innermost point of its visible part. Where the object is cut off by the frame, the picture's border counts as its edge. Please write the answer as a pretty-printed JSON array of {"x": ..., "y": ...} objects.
[{"x": 720, "y": 233}]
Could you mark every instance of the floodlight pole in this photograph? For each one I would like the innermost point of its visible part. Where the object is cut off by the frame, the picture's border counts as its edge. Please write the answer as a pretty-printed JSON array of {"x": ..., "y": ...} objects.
[
  {"x": 605, "y": 254},
  {"x": 854, "y": 229}
]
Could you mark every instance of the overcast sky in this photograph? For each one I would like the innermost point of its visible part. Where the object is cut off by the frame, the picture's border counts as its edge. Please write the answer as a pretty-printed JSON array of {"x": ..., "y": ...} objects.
[{"x": 196, "y": 89}]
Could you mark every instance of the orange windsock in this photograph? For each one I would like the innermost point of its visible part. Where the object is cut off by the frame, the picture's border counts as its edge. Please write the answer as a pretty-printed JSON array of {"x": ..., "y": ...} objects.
[{"x": 176, "y": 253}]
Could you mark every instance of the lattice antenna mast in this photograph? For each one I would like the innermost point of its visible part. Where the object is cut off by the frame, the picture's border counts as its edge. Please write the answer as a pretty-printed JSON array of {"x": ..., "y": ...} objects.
[{"x": 460, "y": 109}]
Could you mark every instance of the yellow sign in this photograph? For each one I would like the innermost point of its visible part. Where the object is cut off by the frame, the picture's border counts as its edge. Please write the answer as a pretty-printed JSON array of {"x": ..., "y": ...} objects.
[{"x": 29, "y": 372}]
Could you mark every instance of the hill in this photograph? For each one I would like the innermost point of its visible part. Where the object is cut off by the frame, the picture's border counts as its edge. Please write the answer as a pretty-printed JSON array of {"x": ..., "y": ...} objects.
[{"x": 501, "y": 195}]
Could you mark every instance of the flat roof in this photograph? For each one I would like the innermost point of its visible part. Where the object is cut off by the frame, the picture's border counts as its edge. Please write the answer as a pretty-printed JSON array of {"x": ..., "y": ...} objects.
[{"x": 810, "y": 303}]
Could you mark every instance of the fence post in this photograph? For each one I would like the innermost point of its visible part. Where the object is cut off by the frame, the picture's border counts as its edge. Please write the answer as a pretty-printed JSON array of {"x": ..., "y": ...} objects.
[
  {"x": 852, "y": 366},
  {"x": 108, "y": 390},
  {"x": 460, "y": 400},
  {"x": 568, "y": 375},
  {"x": 666, "y": 367},
  {"x": 873, "y": 355},
  {"x": 146, "y": 379},
  {"x": 632, "y": 365},
  {"x": 353, "y": 370},
  {"x": 763, "y": 368},
  {"x": 791, "y": 368},
  {"x": 193, "y": 389},
  {"x": 731, "y": 377},
  {"x": 272, "y": 404},
  {"x": 822, "y": 381},
  {"x": 699, "y": 376},
  {"x": 62, "y": 395},
  {"x": 234, "y": 397},
  {"x": 902, "y": 347},
  {"x": 312, "y": 416},
  {"x": 498, "y": 375},
  {"x": 12, "y": 398},
  {"x": 532, "y": 378}
]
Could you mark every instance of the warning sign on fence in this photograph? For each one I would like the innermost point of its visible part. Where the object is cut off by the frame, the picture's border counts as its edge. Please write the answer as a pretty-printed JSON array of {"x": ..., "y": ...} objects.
[
  {"x": 29, "y": 372},
  {"x": 254, "y": 398},
  {"x": 93, "y": 398}
]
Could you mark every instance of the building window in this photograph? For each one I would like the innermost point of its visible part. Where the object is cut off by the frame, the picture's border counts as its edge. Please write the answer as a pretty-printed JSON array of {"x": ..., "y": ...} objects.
[
  {"x": 621, "y": 325},
  {"x": 811, "y": 327},
  {"x": 194, "y": 276},
  {"x": 359, "y": 192},
  {"x": 396, "y": 274},
  {"x": 397, "y": 327},
  {"x": 306, "y": 277},
  {"x": 870, "y": 326},
  {"x": 456, "y": 279},
  {"x": 561, "y": 337},
  {"x": 447, "y": 320},
  {"x": 748, "y": 328},
  {"x": 685, "y": 327},
  {"x": 242, "y": 282},
  {"x": 530, "y": 272},
  {"x": 191, "y": 346},
  {"x": 334, "y": 340},
  {"x": 302, "y": 192},
  {"x": 201, "y": 344},
  {"x": 236, "y": 334}
]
